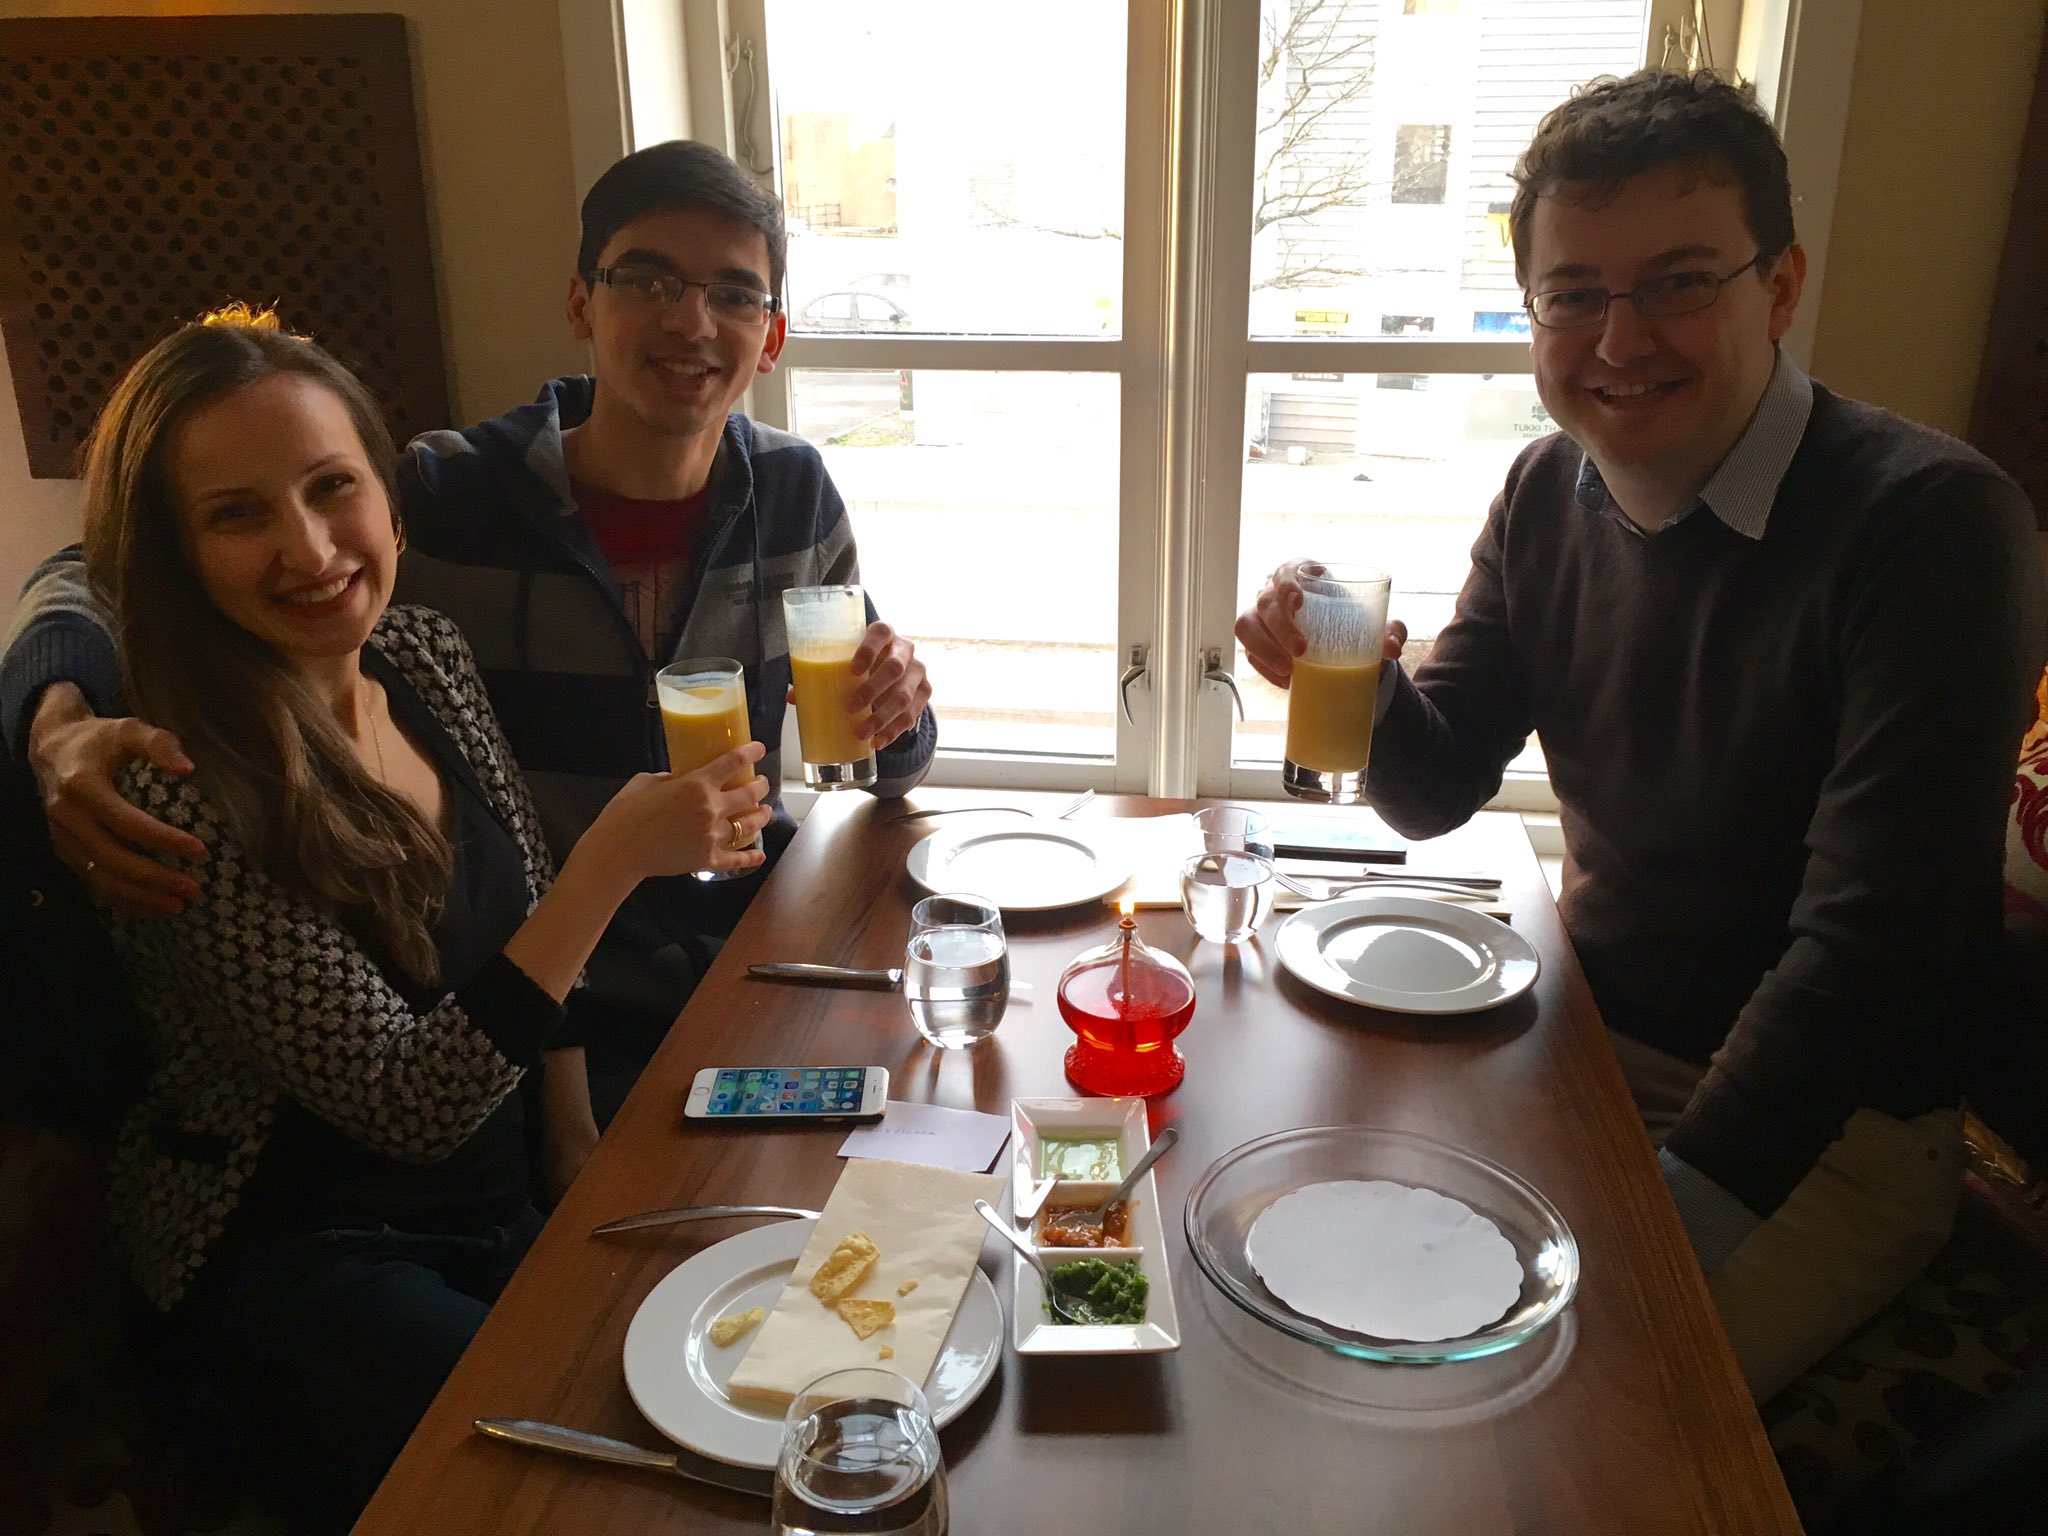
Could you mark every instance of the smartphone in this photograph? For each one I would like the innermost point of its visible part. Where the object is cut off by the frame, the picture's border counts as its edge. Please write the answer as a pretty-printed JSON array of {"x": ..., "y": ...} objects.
[
  {"x": 1316, "y": 838},
  {"x": 759, "y": 1095}
]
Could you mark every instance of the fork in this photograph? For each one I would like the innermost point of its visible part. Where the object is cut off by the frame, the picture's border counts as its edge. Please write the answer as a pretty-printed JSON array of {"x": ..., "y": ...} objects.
[
  {"x": 1063, "y": 812},
  {"x": 1447, "y": 884}
]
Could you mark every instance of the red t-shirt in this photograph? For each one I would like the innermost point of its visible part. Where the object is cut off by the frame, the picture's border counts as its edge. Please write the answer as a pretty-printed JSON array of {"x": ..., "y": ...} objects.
[{"x": 647, "y": 544}]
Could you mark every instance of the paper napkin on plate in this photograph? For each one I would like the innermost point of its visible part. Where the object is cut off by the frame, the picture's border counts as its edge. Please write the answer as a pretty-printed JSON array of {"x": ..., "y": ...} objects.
[{"x": 923, "y": 1222}]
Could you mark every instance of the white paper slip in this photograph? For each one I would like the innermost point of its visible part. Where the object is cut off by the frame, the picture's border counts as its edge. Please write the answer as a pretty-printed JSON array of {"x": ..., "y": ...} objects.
[
  {"x": 927, "y": 1238},
  {"x": 932, "y": 1135},
  {"x": 1385, "y": 1259},
  {"x": 1157, "y": 847}
]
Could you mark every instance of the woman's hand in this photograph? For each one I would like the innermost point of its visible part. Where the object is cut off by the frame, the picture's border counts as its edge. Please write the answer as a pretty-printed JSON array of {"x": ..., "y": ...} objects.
[{"x": 677, "y": 823}]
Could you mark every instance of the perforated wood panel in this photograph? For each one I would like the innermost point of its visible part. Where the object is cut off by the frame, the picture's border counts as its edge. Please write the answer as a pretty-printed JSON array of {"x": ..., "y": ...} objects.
[{"x": 152, "y": 168}]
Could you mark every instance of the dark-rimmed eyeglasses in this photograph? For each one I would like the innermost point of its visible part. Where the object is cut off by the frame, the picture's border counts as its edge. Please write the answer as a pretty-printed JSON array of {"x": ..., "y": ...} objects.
[
  {"x": 652, "y": 288},
  {"x": 1675, "y": 293}
]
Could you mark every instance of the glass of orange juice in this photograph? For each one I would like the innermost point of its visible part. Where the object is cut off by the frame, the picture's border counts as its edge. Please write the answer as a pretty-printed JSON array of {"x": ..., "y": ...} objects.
[
  {"x": 1335, "y": 684},
  {"x": 824, "y": 625},
  {"x": 704, "y": 715}
]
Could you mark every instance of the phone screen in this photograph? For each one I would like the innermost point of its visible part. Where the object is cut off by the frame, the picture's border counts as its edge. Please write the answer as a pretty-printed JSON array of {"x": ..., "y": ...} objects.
[{"x": 786, "y": 1091}]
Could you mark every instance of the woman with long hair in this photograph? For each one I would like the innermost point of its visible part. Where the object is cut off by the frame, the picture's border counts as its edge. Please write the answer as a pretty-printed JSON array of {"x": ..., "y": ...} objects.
[{"x": 360, "y": 1049}]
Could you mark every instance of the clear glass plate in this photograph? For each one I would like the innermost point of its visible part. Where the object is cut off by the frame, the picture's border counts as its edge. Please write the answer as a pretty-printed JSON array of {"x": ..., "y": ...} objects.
[{"x": 1239, "y": 1185}]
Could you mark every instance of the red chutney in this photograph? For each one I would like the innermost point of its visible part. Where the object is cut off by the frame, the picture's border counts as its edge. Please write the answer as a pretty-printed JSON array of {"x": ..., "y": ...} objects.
[{"x": 1062, "y": 1227}]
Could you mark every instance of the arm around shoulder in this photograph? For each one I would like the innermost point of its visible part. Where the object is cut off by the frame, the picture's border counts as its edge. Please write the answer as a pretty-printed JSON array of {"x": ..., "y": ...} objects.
[{"x": 60, "y": 633}]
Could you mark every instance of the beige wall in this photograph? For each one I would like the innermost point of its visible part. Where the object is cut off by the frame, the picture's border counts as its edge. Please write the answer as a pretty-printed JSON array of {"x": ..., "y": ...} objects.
[
  {"x": 494, "y": 129},
  {"x": 1935, "y": 120}
]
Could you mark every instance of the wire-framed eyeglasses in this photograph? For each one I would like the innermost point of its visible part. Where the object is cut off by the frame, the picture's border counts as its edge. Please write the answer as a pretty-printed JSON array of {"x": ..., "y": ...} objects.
[
  {"x": 652, "y": 288},
  {"x": 1675, "y": 293}
]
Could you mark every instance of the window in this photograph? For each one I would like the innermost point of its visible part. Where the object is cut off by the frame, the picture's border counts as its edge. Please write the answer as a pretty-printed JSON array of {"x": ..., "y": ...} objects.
[
  {"x": 1045, "y": 491},
  {"x": 1422, "y": 163},
  {"x": 1500, "y": 322}
]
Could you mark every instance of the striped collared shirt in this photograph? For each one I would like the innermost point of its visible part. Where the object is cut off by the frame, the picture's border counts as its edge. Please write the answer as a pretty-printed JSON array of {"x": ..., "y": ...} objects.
[{"x": 1741, "y": 490}]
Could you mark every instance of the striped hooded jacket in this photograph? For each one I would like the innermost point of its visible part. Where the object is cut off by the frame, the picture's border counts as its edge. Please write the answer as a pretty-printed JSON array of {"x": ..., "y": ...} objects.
[{"x": 494, "y": 542}]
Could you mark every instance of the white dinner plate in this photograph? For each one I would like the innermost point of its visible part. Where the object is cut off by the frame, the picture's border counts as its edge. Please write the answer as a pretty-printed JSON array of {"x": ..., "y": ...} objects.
[
  {"x": 1022, "y": 868},
  {"x": 1407, "y": 955},
  {"x": 677, "y": 1376}
]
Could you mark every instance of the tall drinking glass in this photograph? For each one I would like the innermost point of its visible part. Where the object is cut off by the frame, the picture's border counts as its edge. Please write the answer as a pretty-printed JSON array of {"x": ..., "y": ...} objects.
[
  {"x": 824, "y": 625},
  {"x": 859, "y": 1453},
  {"x": 956, "y": 970},
  {"x": 704, "y": 715},
  {"x": 1336, "y": 683}
]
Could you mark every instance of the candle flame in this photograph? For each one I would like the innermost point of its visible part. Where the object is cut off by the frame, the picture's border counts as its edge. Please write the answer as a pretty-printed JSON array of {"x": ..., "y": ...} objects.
[{"x": 1126, "y": 907}]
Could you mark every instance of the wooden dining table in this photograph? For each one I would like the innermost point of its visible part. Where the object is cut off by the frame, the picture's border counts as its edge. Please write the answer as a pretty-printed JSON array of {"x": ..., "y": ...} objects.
[{"x": 1626, "y": 1415}]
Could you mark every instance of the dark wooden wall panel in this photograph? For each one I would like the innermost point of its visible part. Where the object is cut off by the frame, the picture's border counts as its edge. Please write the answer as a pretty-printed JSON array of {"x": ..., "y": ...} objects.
[
  {"x": 152, "y": 168},
  {"x": 2010, "y": 419}
]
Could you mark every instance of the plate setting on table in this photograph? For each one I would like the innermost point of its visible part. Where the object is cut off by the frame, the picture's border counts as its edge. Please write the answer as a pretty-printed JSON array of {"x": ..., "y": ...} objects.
[
  {"x": 1454, "y": 1255},
  {"x": 677, "y": 1376},
  {"x": 1407, "y": 954},
  {"x": 1035, "y": 868}
]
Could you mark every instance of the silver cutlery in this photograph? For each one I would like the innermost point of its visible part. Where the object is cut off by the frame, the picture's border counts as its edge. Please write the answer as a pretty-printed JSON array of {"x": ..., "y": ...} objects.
[
  {"x": 1092, "y": 1216},
  {"x": 678, "y": 1213},
  {"x": 1010, "y": 1235},
  {"x": 1034, "y": 1201},
  {"x": 577, "y": 1442},
  {"x": 880, "y": 980},
  {"x": 1313, "y": 889},
  {"x": 961, "y": 810},
  {"x": 829, "y": 975}
]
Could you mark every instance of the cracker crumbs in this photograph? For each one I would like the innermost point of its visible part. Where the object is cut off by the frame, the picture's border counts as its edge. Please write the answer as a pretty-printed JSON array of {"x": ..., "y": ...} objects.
[
  {"x": 727, "y": 1329},
  {"x": 888, "y": 1353},
  {"x": 906, "y": 1288},
  {"x": 866, "y": 1317},
  {"x": 845, "y": 1267}
]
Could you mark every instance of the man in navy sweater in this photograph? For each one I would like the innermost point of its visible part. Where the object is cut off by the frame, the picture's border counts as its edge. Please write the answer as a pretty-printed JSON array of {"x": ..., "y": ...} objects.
[
  {"x": 1780, "y": 648},
  {"x": 582, "y": 542}
]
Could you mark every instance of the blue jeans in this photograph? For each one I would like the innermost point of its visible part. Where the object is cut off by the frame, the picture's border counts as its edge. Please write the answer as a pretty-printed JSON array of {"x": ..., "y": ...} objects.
[{"x": 313, "y": 1357}]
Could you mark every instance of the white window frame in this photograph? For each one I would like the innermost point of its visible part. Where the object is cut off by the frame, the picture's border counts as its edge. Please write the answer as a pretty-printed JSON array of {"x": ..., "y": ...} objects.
[{"x": 1184, "y": 356}]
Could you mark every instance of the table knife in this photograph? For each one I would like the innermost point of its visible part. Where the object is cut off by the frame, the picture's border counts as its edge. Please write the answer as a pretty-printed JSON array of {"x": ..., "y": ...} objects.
[
  {"x": 828, "y": 975},
  {"x": 679, "y": 1213},
  {"x": 890, "y": 980},
  {"x": 577, "y": 1442}
]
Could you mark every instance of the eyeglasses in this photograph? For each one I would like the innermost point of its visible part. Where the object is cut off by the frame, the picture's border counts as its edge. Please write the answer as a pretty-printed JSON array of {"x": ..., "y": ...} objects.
[
  {"x": 1675, "y": 293},
  {"x": 652, "y": 288}
]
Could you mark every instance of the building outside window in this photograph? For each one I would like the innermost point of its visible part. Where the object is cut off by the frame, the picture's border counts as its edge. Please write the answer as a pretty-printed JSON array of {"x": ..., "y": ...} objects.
[{"x": 995, "y": 425}]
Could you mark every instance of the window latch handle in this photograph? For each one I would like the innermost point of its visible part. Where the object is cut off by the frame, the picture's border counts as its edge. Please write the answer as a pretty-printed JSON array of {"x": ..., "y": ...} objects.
[
  {"x": 1132, "y": 673},
  {"x": 1213, "y": 671}
]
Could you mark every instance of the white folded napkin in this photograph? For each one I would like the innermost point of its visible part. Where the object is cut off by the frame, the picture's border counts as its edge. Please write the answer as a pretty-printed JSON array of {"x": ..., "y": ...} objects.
[{"x": 923, "y": 1221}]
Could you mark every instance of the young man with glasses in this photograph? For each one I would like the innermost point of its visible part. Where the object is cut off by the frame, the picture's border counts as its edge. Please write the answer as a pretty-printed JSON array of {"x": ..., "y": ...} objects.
[
  {"x": 1779, "y": 647},
  {"x": 619, "y": 522}
]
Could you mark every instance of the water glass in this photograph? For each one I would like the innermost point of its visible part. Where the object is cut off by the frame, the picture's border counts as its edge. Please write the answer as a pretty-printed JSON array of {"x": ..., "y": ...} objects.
[
  {"x": 956, "y": 970},
  {"x": 1233, "y": 829},
  {"x": 859, "y": 1453},
  {"x": 1227, "y": 893}
]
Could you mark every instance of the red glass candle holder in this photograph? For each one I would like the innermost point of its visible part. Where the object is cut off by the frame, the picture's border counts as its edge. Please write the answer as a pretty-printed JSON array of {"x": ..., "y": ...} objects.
[{"x": 1125, "y": 1003}]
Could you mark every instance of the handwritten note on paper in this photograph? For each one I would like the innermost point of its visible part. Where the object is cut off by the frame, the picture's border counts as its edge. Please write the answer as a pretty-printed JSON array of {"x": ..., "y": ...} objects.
[{"x": 932, "y": 1135}]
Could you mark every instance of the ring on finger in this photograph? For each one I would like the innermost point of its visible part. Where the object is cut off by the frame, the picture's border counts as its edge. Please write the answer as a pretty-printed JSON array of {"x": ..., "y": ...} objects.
[{"x": 739, "y": 834}]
